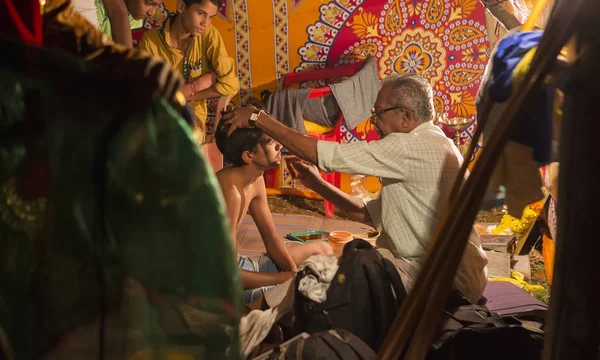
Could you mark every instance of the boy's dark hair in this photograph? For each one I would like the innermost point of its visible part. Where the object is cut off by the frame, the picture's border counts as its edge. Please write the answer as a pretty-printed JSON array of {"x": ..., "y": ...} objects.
[
  {"x": 243, "y": 139},
  {"x": 217, "y": 3}
]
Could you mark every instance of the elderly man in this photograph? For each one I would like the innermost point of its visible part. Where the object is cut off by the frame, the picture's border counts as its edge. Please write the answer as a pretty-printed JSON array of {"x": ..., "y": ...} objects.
[{"x": 417, "y": 165}]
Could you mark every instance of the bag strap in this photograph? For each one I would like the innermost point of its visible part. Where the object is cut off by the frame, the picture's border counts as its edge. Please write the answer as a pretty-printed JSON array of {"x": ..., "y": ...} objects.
[
  {"x": 380, "y": 308},
  {"x": 294, "y": 350},
  {"x": 392, "y": 272},
  {"x": 461, "y": 317},
  {"x": 363, "y": 350},
  {"x": 379, "y": 288},
  {"x": 360, "y": 347},
  {"x": 470, "y": 314},
  {"x": 275, "y": 354},
  {"x": 341, "y": 348}
]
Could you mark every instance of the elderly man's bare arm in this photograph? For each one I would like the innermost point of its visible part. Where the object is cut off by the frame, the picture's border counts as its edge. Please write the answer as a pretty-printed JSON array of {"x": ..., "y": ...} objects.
[{"x": 310, "y": 177}]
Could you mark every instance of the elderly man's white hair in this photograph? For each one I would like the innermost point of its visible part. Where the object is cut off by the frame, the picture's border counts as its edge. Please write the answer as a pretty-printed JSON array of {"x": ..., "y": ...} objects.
[{"x": 413, "y": 92}]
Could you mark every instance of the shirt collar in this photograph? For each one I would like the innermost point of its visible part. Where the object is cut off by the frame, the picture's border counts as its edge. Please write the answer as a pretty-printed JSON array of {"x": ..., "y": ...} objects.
[{"x": 426, "y": 126}]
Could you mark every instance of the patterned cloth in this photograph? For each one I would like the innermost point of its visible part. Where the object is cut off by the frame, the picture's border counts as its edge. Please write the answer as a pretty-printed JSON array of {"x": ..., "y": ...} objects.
[
  {"x": 206, "y": 53},
  {"x": 417, "y": 171}
]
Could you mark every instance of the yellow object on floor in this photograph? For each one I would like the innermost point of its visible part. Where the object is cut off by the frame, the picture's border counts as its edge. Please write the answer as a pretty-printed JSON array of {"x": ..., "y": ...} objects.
[{"x": 518, "y": 279}]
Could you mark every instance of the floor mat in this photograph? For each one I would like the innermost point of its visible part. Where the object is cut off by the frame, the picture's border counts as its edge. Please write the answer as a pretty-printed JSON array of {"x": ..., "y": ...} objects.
[
  {"x": 508, "y": 299},
  {"x": 249, "y": 242}
]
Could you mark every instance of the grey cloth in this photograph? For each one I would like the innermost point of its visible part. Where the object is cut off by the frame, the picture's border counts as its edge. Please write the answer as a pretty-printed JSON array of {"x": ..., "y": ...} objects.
[
  {"x": 354, "y": 97},
  {"x": 292, "y": 107}
]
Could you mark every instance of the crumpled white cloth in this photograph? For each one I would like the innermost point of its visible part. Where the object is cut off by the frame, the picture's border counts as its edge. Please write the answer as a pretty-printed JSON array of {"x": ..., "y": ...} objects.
[
  {"x": 254, "y": 327},
  {"x": 315, "y": 286}
]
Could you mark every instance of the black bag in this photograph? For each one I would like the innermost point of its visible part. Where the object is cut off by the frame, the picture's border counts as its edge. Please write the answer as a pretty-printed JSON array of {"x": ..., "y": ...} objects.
[
  {"x": 363, "y": 298},
  {"x": 473, "y": 332},
  {"x": 332, "y": 344}
]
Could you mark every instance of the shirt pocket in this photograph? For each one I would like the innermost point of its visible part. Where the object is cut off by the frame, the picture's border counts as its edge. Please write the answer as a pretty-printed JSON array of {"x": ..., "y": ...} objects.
[{"x": 196, "y": 69}]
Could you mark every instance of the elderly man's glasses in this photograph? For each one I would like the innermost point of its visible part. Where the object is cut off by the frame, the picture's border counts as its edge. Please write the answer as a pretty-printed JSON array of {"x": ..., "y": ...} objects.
[{"x": 378, "y": 113}]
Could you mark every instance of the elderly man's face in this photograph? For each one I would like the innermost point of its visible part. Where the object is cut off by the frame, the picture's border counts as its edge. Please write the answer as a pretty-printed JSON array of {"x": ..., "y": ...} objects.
[{"x": 385, "y": 116}]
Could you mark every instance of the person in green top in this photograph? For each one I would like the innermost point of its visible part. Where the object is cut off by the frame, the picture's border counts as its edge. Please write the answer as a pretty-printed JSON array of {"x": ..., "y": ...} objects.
[{"x": 116, "y": 18}]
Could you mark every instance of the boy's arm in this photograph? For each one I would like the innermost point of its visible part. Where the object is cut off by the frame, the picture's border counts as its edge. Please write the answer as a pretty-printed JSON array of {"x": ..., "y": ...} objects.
[
  {"x": 259, "y": 209},
  {"x": 205, "y": 87},
  {"x": 222, "y": 64},
  {"x": 207, "y": 93},
  {"x": 253, "y": 279},
  {"x": 117, "y": 14},
  {"x": 222, "y": 80}
]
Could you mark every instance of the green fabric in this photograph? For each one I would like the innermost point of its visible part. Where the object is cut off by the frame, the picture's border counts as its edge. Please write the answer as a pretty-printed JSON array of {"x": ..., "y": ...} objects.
[
  {"x": 135, "y": 222},
  {"x": 104, "y": 22}
]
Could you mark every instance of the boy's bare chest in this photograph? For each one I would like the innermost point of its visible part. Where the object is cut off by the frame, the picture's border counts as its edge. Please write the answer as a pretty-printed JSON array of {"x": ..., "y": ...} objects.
[{"x": 247, "y": 195}]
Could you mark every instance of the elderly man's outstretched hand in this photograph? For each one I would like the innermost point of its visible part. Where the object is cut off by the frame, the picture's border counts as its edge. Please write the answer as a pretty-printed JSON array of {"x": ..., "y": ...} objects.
[
  {"x": 238, "y": 118},
  {"x": 304, "y": 171}
]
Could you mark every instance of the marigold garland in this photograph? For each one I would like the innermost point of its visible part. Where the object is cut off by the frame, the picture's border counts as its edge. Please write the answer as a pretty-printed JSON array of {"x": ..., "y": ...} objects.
[{"x": 510, "y": 225}]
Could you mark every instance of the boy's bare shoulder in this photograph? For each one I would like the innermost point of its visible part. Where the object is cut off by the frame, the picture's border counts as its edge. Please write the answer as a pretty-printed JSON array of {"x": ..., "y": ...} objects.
[
  {"x": 225, "y": 175},
  {"x": 225, "y": 179}
]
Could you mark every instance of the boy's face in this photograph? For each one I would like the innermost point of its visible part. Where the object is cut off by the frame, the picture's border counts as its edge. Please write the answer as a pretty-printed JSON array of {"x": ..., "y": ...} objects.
[
  {"x": 140, "y": 9},
  {"x": 268, "y": 153},
  {"x": 197, "y": 17}
]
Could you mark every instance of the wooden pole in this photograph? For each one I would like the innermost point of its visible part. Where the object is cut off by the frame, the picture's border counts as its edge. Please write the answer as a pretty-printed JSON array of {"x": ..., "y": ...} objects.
[{"x": 573, "y": 323}]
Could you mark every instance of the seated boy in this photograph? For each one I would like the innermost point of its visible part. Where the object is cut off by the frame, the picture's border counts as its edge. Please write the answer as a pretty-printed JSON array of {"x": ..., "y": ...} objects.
[{"x": 250, "y": 153}]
